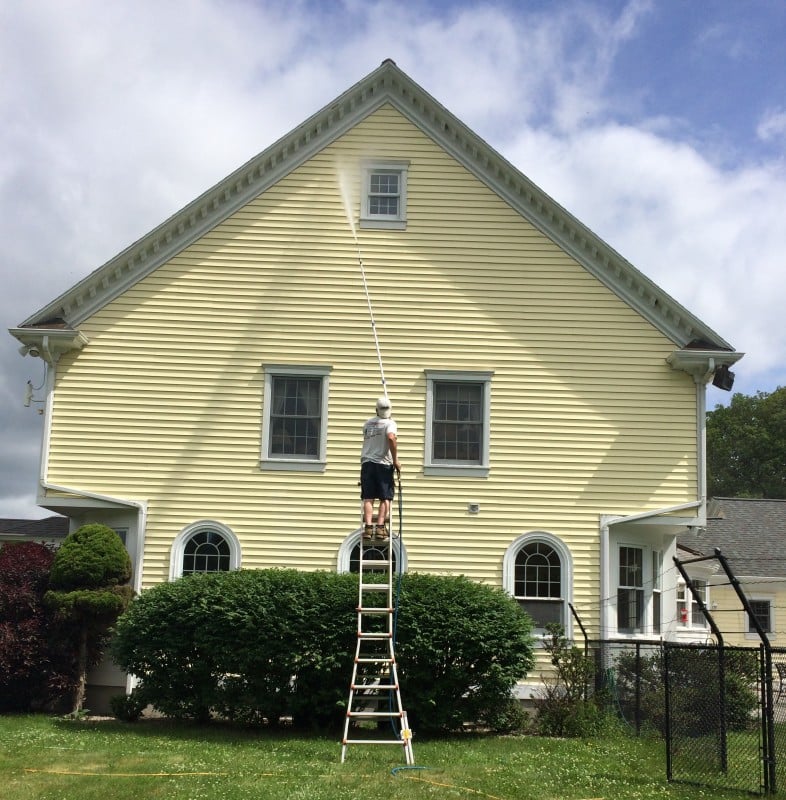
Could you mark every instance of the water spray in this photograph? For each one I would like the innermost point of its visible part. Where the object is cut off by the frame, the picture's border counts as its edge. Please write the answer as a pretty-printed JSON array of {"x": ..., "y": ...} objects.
[{"x": 346, "y": 198}]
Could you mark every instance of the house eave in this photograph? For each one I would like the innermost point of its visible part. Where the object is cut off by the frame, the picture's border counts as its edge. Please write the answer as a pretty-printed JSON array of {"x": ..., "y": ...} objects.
[{"x": 48, "y": 343}]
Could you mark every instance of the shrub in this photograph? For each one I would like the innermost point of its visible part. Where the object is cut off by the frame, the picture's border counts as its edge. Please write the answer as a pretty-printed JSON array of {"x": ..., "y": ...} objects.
[
  {"x": 88, "y": 591},
  {"x": 33, "y": 669},
  {"x": 258, "y": 645},
  {"x": 128, "y": 707},
  {"x": 461, "y": 648},
  {"x": 564, "y": 708}
]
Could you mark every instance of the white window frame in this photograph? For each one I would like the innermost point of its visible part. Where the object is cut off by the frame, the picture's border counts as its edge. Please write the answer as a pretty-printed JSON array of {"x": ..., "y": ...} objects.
[
  {"x": 353, "y": 540},
  {"x": 439, "y": 467},
  {"x": 385, "y": 221},
  {"x": 305, "y": 464},
  {"x": 566, "y": 573},
  {"x": 182, "y": 539},
  {"x": 686, "y": 600}
]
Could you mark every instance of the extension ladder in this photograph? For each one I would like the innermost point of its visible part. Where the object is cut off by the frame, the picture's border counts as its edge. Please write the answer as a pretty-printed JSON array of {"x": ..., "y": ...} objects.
[{"x": 374, "y": 694}]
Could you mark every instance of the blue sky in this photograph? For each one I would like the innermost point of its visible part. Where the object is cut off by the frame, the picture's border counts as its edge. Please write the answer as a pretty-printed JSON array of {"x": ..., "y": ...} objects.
[{"x": 661, "y": 124}]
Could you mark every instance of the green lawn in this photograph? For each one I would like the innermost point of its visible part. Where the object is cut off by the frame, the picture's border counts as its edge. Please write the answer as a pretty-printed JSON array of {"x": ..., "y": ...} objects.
[{"x": 46, "y": 758}]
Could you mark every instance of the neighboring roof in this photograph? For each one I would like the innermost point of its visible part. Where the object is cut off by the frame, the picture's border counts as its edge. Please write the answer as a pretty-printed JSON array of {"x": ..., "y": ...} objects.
[
  {"x": 386, "y": 84},
  {"x": 51, "y": 527},
  {"x": 750, "y": 533}
]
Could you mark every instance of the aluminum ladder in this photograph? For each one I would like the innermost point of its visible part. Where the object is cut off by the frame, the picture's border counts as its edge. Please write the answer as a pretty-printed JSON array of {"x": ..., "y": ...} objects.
[{"x": 374, "y": 694}]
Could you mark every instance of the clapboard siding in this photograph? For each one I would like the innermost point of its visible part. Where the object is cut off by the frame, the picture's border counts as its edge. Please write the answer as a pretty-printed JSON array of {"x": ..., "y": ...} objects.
[{"x": 586, "y": 417}]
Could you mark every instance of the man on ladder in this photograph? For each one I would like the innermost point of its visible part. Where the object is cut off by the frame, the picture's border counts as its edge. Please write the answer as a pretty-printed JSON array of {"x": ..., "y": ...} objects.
[{"x": 378, "y": 459}]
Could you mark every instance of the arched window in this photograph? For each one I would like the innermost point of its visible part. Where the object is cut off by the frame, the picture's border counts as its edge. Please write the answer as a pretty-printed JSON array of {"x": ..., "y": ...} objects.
[
  {"x": 537, "y": 569},
  {"x": 349, "y": 553},
  {"x": 205, "y": 546},
  {"x": 206, "y": 551}
]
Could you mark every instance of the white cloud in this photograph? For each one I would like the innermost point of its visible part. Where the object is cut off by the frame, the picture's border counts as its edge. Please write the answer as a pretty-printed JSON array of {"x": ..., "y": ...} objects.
[{"x": 772, "y": 126}]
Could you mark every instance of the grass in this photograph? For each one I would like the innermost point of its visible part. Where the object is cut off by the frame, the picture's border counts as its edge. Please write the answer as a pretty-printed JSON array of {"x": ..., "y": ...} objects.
[{"x": 46, "y": 758}]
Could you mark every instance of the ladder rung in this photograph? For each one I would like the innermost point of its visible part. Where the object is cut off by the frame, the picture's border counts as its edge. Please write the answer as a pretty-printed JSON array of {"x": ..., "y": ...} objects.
[
  {"x": 374, "y": 587},
  {"x": 375, "y": 741},
  {"x": 375, "y": 562},
  {"x": 374, "y": 610},
  {"x": 374, "y": 637},
  {"x": 378, "y": 660},
  {"x": 369, "y": 714},
  {"x": 386, "y": 687}
]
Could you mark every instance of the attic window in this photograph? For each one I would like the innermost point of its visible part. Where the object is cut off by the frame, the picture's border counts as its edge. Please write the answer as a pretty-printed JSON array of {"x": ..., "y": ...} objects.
[{"x": 384, "y": 200}]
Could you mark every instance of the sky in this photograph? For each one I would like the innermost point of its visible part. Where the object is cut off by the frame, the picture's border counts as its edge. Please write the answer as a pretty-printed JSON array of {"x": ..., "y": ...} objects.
[{"x": 660, "y": 124}]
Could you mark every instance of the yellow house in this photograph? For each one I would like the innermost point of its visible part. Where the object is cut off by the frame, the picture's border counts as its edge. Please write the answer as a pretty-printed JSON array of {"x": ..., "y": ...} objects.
[{"x": 207, "y": 386}]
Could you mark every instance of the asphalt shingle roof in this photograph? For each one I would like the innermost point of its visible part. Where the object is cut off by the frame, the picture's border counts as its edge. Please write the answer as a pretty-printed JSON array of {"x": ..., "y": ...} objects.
[{"x": 751, "y": 534}]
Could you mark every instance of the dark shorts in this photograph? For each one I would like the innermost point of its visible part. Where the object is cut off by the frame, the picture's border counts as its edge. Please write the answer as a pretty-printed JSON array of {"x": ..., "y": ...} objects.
[{"x": 376, "y": 481}]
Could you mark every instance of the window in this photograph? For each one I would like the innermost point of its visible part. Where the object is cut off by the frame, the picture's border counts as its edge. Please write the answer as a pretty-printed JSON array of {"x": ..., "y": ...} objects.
[
  {"x": 205, "y": 546},
  {"x": 349, "y": 553},
  {"x": 457, "y": 424},
  {"x": 630, "y": 590},
  {"x": 536, "y": 571},
  {"x": 206, "y": 551},
  {"x": 295, "y": 417},
  {"x": 761, "y": 610},
  {"x": 657, "y": 569},
  {"x": 689, "y": 614},
  {"x": 384, "y": 195}
]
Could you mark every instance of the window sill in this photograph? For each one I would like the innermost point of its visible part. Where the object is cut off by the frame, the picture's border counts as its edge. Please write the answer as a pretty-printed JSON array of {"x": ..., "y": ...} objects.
[
  {"x": 292, "y": 465},
  {"x": 383, "y": 224},
  {"x": 456, "y": 470}
]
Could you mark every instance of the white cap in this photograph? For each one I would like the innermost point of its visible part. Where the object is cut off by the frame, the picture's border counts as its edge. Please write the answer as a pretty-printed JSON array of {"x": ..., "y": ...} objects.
[{"x": 383, "y": 407}]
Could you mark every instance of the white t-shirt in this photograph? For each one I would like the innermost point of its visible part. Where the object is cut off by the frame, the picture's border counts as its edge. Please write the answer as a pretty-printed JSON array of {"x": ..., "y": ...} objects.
[{"x": 375, "y": 440}]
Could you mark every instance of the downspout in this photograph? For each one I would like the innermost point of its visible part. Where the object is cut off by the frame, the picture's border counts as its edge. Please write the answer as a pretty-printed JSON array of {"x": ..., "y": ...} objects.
[
  {"x": 45, "y": 484},
  {"x": 701, "y": 440}
]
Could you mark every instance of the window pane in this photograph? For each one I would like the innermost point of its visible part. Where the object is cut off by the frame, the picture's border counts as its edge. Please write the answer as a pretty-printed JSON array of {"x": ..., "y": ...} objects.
[
  {"x": 457, "y": 433},
  {"x": 295, "y": 417},
  {"x": 538, "y": 572},
  {"x": 630, "y": 610},
  {"x": 543, "y": 612}
]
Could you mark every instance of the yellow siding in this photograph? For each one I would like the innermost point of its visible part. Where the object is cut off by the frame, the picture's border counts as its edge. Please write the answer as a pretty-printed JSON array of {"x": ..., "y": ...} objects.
[{"x": 586, "y": 417}]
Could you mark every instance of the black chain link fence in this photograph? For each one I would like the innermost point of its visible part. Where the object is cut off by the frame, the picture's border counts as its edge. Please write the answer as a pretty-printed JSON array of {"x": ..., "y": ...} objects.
[{"x": 721, "y": 710}]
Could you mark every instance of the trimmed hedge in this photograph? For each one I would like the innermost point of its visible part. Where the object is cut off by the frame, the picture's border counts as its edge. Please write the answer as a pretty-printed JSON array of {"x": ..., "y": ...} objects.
[{"x": 256, "y": 646}]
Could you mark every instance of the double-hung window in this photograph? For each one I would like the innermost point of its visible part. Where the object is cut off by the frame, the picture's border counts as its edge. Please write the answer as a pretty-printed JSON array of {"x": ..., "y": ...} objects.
[
  {"x": 457, "y": 422},
  {"x": 762, "y": 611},
  {"x": 630, "y": 590},
  {"x": 294, "y": 434},
  {"x": 384, "y": 198}
]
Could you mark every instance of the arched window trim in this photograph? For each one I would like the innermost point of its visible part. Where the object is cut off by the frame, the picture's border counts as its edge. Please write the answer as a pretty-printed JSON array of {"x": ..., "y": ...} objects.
[
  {"x": 566, "y": 563},
  {"x": 349, "y": 544},
  {"x": 179, "y": 545}
]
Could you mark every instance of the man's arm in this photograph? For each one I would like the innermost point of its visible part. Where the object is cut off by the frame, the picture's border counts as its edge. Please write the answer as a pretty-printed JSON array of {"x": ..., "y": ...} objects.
[{"x": 393, "y": 445}]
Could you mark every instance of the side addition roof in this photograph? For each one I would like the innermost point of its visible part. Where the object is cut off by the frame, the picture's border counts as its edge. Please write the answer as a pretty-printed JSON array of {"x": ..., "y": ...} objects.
[
  {"x": 386, "y": 84},
  {"x": 750, "y": 533}
]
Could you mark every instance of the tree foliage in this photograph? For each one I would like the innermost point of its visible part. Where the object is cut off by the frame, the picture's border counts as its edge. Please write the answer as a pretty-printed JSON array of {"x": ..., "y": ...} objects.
[
  {"x": 88, "y": 589},
  {"x": 34, "y": 670},
  {"x": 746, "y": 446}
]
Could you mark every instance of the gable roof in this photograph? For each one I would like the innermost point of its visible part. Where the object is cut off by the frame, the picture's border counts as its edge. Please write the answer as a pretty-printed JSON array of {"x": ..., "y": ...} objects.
[
  {"x": 750, "y": 533},
  {"x": 386, "y": 84}
]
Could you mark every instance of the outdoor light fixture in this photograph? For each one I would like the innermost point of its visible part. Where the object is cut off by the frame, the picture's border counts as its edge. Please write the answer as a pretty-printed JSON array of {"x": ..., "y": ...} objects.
[{"x": 723, "y": 378}]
